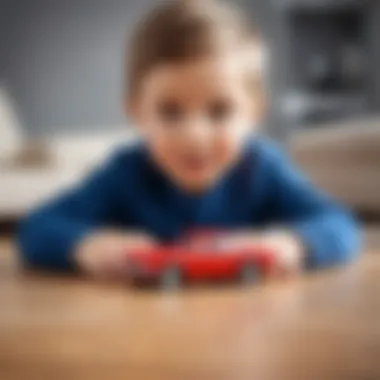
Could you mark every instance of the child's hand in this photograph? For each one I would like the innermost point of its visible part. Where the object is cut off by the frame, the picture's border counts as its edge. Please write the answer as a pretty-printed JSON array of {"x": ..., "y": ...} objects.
[
  {"x": 103, "y": 255},
  {"x": 287, "y": 248}
]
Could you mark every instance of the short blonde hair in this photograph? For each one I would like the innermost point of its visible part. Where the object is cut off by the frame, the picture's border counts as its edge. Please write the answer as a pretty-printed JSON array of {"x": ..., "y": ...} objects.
[{"x": 180, "y": 30}]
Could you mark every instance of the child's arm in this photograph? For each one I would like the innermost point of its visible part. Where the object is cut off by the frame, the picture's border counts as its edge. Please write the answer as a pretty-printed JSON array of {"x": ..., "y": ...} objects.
[
  {"x": 306, "y": 222},
  {"x": 50, "y": 236}
]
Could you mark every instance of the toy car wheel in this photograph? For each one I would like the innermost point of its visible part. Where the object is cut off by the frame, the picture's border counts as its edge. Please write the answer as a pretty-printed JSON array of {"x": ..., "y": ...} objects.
[
  {"x": 171, "y": 278},
  {"x": 249, "y": 273}
]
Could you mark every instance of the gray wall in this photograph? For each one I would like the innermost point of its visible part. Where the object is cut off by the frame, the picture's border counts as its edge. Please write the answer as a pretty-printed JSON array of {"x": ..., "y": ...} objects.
[
  {"x": 61, "y": 60},
  {"x": 374, "y": 34}
]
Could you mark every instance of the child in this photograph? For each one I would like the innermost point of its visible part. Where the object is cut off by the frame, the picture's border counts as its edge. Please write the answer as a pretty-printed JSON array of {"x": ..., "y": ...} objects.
[{"x": 195, "y": 90}]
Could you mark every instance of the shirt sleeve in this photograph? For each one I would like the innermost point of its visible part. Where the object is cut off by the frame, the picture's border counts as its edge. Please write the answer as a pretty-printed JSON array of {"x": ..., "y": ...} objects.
[
  {"x": 47, "y": 237},
  {"x": 329, "y": 232}
]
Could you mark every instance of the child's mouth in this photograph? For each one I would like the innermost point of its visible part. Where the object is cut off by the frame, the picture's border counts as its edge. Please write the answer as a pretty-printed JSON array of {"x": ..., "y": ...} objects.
[{"x": 195, "y": 163}]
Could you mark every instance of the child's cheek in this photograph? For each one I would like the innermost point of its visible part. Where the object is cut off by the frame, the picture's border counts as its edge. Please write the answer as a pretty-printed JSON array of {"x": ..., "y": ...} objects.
[{"x": 231, "y": 141}]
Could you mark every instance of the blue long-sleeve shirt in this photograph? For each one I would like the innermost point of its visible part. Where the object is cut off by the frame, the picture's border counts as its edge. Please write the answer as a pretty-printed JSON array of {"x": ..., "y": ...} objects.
[{"x": 264, "y": 189}]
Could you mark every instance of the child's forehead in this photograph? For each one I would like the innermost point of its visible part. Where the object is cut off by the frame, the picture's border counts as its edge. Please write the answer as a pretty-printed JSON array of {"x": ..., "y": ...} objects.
[
  {"x": 208, "y": 75},
  {"x": 224, "y": 66},
  {"x": 195, "y": 88}
]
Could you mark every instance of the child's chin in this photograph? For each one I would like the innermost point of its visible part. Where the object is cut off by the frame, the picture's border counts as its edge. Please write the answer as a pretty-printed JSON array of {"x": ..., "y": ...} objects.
[{"x": 197, "y": 183}]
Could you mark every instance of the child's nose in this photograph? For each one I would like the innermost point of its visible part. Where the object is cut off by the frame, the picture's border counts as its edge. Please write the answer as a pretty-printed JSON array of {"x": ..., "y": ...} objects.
[{"x": 197, "y": 130}]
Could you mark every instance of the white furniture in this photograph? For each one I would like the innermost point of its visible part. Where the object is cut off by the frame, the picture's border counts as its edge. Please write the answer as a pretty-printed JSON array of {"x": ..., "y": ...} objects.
[
  {"x": 343, "y": 159},
  {"x": 68, "y": 158},
  {"x": 31, "y": 172}
]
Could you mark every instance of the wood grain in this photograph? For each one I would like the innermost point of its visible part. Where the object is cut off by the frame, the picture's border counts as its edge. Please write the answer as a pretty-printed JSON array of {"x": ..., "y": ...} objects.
[{"x": 321, "y": 326}]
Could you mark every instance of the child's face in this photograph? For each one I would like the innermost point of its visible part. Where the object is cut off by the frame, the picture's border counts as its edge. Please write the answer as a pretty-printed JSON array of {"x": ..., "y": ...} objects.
[{"x": 195, "y": 118}]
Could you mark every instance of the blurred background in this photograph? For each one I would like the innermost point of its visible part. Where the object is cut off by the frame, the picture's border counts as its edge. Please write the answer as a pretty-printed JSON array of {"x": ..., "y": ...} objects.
[{"x": 61, "y": 76}]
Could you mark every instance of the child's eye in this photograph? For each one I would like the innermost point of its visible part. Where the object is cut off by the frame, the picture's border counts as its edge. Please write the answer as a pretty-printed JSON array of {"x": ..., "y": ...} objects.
[
  {"x": 220, "y": 110},
  {"x": 170, "y": 111}
]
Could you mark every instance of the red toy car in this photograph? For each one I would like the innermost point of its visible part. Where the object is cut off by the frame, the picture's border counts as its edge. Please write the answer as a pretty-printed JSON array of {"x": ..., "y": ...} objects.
[{"x": 199, "y": 256}]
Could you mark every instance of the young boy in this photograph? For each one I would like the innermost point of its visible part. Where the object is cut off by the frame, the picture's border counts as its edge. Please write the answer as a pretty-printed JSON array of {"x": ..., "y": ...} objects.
[{"x": 195, "y": 90}]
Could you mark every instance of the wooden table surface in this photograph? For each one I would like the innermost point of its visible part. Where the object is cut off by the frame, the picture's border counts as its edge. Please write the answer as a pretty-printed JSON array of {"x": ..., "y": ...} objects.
[{"x": 322, "y": 326}]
